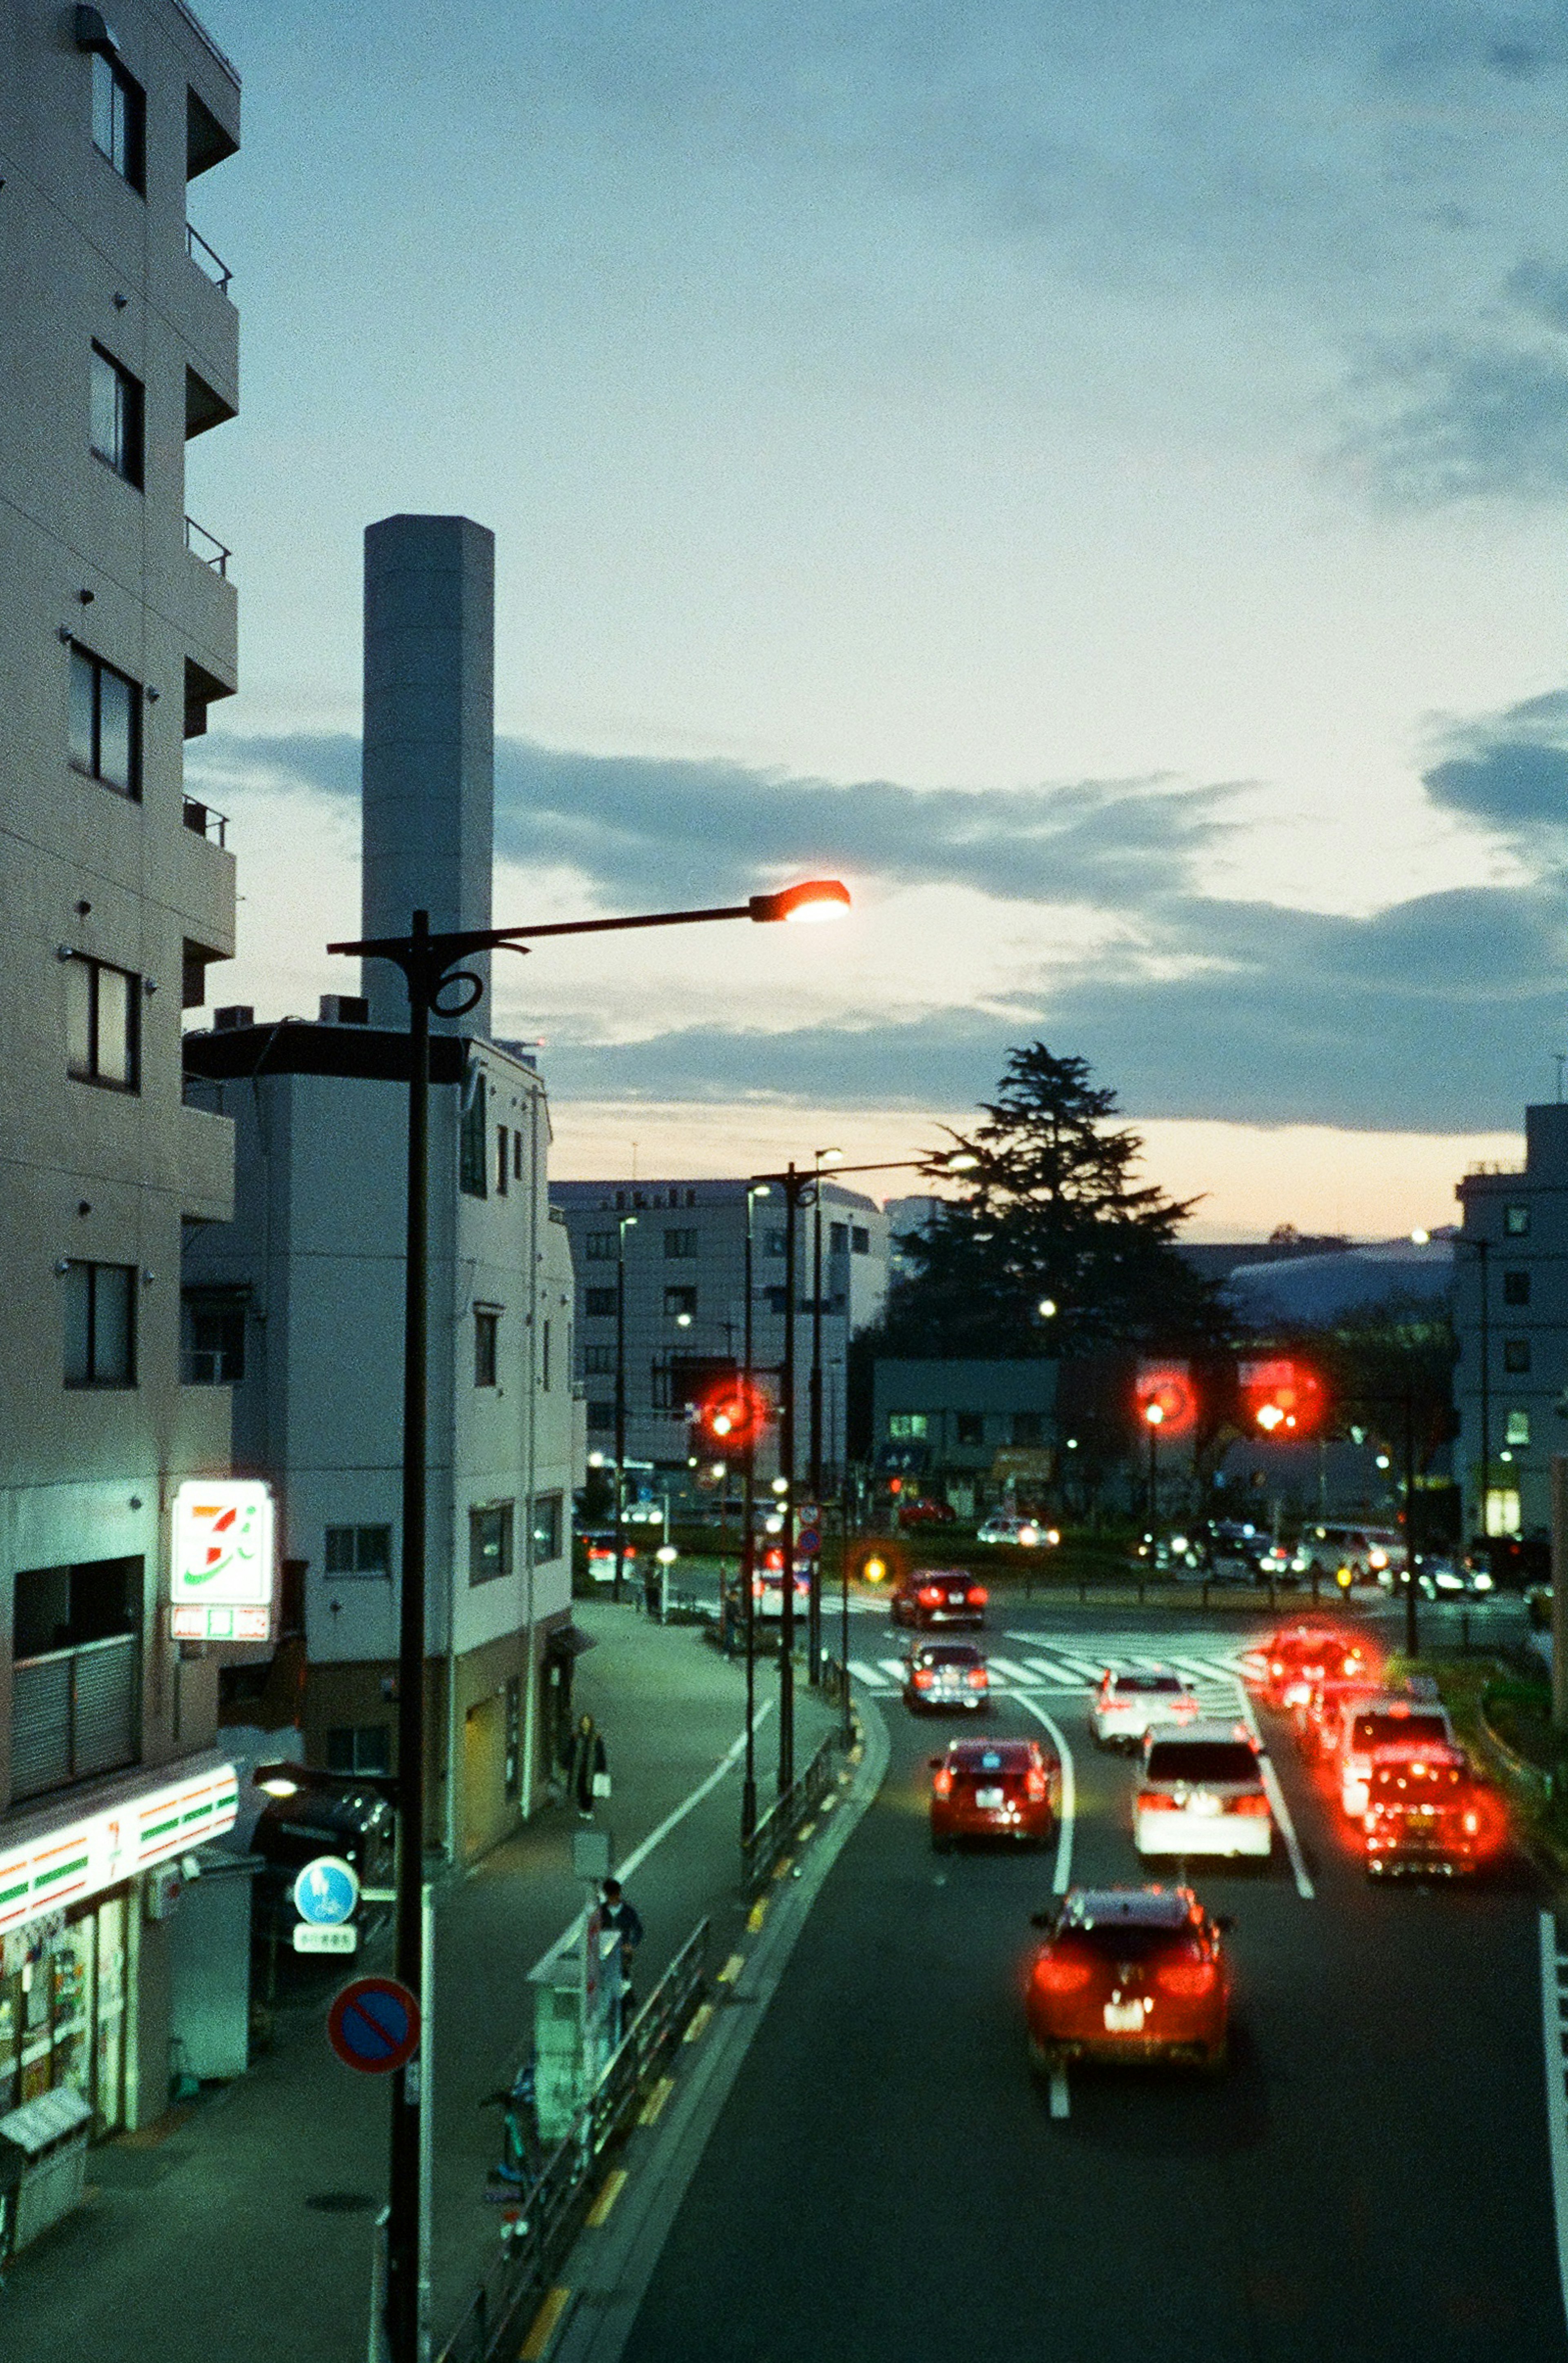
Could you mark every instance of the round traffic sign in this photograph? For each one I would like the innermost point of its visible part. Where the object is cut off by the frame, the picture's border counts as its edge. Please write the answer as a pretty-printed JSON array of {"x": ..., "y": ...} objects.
[
  {"x": 373, "y": 2025},
  {"x": 808, "y": 1542},
  {"x": 327, "y": 1891}
]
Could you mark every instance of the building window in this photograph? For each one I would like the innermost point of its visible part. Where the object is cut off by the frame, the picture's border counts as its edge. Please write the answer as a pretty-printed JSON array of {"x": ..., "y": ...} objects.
[
  {"x": 907, "y": 1426},
  {"x": 838, "y": 1238},
  {"x": 1516, "y": 1222},
  {"x": 503, "y": 1161},
  {"x": 599, "y": 1304},
  {"x": 102, "y": 1009},
  {"x": 490, "y": 1542},
  {"x": 472, "y": 1138},
  {"x": 1515, "y": 1355},
  {"x": 679, "y": 1244},
  {"x": 119, "y": 120},
  {"x": 598, "y": 1361},
  {"x": 601, "y": 1247},
  {"x": 860, "y": 1240},
  {"x": 100, "y": 1325},
  {"x": 1516, "y": 1287},
  {"x": 547, "y": 1528},
  {"x": 116, "y": 416},
  {"x": 678, "y": 1300},
  {"x": 359, "y": 1550},
  {"x": 213, "y": 1344},
  {"x": 104, "y": 729},
  {"x": 778, "y": 1300},
  {"x": 512, "y": 1769},
  {"x": 544, "y": 1358},
  {"x": 1026, "y": 1427},
  {"x": 601, "y": 1416},
  {"x": 486, "y": 1330},
  {"x": 1517, "y": 1427},
  {"x": 970, "y": 1428},
  {"x": 773, "y": 1243},
  {"x": 359, "y": 1748}
]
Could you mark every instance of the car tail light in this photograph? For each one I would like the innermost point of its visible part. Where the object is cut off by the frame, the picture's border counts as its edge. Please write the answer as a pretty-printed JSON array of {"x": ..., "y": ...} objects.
[
  {"x": 1186, "y": 1980},
  {"x": 1275, "y": 1667},
  {"x": 924, "y": 1677},
  {"x": 1254, "y": 1802},
  {"x": 942, "y": 1784},
  {"x": 1157, "y": 1800},
  {"x": 978, "y": 1677},
  {"x": 932, "y": 1595},
  {"x": 977, "y": 1596},
  {"x": 1062, "y": 1973},
  {"x": 1036, "y": 1786}
]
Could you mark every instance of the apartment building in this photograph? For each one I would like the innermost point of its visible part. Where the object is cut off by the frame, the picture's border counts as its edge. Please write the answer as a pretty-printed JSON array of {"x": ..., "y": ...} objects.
[
  {"x": 684, "y": 1305},
  {"x": 1510, "y": 1310},
  {"x": 118, "y": 342}
]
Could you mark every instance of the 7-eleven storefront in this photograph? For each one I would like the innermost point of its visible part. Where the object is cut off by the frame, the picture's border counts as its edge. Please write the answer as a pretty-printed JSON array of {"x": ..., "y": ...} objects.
[{"x": 85, "y": 1887}]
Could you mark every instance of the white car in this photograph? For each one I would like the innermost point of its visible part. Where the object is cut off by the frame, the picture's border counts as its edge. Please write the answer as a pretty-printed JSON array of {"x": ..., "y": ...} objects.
[
  {"x": 1201, "y": 1792},
  {"x": 1386, "y": 1721},
  {"x": 1128, "y": 1707},
  {"x": 1028, "y": 1534}
]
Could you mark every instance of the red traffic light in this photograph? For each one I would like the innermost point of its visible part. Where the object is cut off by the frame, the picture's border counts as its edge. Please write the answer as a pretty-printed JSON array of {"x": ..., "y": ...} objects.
[
  {"x": 1281, "y": 1398},
  {"x": 732, "y": 1415},
  {"x": 1166, "y": 1399}
]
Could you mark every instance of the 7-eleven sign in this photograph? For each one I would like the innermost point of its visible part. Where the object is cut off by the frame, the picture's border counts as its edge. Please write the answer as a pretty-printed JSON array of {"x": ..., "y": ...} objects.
[{"x": 221, "y": 1581}]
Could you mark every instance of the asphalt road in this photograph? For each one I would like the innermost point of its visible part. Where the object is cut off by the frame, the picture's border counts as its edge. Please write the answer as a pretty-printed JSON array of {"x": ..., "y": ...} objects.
[{"x": 1372, "y": 2179}]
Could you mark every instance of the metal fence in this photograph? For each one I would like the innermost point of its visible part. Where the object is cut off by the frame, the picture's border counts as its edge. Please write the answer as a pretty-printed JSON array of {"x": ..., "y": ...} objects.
[
  {"x": 778, "y": 1825},
  {"x": 550, "y": 2211}
]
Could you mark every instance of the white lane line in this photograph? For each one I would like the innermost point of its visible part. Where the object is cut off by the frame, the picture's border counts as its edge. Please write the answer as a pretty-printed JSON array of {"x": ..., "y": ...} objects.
[
  {"x": 1552, "y": 1983},
  {"x": 1303, "y": 1877},
  {"x": 1063, "y": 1875},
  {"x": 640, "y": 1855},
  {"x": 1058, "y": 1677},
  {"x": 1061, "y": 2102},
  {"x": 864, "y": 1673},
  {"x": 1009, "y": 1672}
]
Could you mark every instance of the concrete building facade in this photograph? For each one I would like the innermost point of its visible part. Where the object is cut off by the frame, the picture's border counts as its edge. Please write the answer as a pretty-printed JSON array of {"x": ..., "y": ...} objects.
[
  {"x": 118, "y": 342},
  {"x": 1510, "y": 1310}
]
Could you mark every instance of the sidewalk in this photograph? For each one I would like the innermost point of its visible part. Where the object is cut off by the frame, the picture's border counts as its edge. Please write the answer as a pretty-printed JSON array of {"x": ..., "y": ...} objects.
[{"x": 241, "y": 2232}]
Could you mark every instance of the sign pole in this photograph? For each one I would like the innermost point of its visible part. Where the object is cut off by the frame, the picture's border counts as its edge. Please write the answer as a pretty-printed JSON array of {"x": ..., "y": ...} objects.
[{"x": 426, "y": 2106}]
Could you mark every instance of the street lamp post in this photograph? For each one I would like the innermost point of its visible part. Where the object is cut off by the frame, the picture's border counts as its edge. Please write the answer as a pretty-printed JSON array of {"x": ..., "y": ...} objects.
[
  {"x": 431, "y": 963},
  {"x": 748, "y": 1542},
  {"x": 820, "y": 1157},
  {"x": 625, "y": 1223},
  {"x": 1155, "y": 1416}
]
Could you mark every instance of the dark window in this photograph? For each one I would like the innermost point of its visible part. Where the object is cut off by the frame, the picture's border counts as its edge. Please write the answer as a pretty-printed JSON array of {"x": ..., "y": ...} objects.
[
  {"x": 115, "y": 417},
  {"x": 1516, "y": 1222},
  {"x": 599, "y": 1304},
  {"x": 472, "y": 1138},
  {"x": 517, "y": 1157},
  {"x": 860, "y": 1240},
  {"x": 970, "y": 1428},
  {"x": 1026, "y": 1427},
  {"x": 359, "y": 1748},
  {"x": 100, "y": 1325},
  {"x": 599, "y": 1359},
  {"x": 544, "y": 1356},
  {"x": 1515, "y": 1355},
  {"x": 778, "y": 1299},
  {"x": 214, "y": 1344},
  {"x": 547, "y": 1527},
  {"x": 678, "y": 1300},
  {"x": 490, "y": 1542},
  {"x": 679, "y": 1244},
  {"x": 1516, "y": 1287},
  {"x": 486, "y": 1328},
  {"x": 601, "y": 1416},
  {"x": 105, "y": 731},
  {"x": 359, "y": 1550},
  {"x": 119, "y": 120},
  {"x": 67, "y": 1607},
  {"x": 503, "y": 1161},
  {"x": 838, "y": 1238},
  {"x": 601, "y": 1247},
  {"x": 103, "y": 1008}
]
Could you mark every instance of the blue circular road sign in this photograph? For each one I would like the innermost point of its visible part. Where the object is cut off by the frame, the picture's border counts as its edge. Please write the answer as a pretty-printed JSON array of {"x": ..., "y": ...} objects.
[
  {"x": 373, "y": 2025},
  {"x": 327, "y": 1891}
]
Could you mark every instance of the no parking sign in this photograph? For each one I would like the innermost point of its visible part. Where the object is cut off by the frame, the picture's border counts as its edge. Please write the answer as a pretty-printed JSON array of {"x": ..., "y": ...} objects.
[{"x": 373, "y": 2026}]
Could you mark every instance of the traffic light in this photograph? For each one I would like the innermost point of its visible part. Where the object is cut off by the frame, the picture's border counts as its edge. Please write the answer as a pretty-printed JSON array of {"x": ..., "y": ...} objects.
[
  {"x": 731, "y": 1415},
  {"x": 1166, "y": 1399},
  {"x": 1281, "y": 1398}
]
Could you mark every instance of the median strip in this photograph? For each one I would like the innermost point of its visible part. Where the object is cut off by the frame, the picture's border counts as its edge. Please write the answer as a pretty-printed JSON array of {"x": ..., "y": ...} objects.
[
  {"x": 652, "y": 2108},
  {"x": 613, "y": 2186},
  {"x": 700, "y": 2017},
  {"x": 545, "y": 2324}
]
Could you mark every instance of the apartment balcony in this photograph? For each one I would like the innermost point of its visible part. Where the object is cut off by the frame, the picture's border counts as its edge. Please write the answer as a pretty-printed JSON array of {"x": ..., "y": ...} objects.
[
  {"x": 207, "y": 1166},
  {"x": 74, "y": 1713}
]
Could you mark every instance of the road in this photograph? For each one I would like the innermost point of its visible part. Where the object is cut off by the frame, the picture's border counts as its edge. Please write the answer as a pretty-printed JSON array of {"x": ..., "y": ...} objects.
[{"x": 1373, "y": 2178}]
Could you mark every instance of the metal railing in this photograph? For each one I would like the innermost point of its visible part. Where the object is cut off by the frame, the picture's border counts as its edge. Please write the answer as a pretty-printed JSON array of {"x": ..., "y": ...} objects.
[
  {"x": 208, "y": 262},
  {"x": 207, "y": 548},
  {"x": 550, "y": 2210},
  {"x": 202, "y": 820},
  {"x": 778, "y": 1825},
  {"x": 76, "y": 1713}
]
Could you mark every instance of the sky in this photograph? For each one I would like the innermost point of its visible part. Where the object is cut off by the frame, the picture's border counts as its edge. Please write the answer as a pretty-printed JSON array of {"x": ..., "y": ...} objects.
[{"x": 1094, "y": 478}]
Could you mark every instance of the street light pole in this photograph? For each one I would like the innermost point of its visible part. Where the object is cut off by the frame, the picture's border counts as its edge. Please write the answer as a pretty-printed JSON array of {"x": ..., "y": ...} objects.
[
  {"x": 1153, "y": 1414},
  {"x": 1411, "y": 1635},
  {"x": 749, "y": 1546},
  {"x": 793, "y": 1181},
  {"x": 625, "y": 1223}
]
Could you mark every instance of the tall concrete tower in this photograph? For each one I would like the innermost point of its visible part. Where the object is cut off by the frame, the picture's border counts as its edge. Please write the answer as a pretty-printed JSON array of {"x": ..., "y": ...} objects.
[{"x": 429, "y": 791}]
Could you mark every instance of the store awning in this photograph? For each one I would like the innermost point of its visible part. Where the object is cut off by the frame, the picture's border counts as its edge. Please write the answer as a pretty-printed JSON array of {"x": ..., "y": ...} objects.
[{"x": 569, "y": 1641}]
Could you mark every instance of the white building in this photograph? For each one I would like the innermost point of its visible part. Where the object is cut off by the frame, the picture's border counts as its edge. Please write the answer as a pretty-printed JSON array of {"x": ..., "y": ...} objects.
[
  {"x": 685, "y": 1305},
  {"x": 1510, "y": 1285},
  {"x": 119, "y": 341}
]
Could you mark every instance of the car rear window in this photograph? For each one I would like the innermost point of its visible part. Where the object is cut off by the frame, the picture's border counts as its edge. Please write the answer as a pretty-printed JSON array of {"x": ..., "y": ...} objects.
[
  {"x": 1143, "y": 1683},
  {"x": 1120, "y": 1940},
  {"x": 1013, "y": 1758},
  {"x": 1392, "y": 1730},
  {"x": 1203, "y": 1759},
  {"x": 956, "y": 1656}
]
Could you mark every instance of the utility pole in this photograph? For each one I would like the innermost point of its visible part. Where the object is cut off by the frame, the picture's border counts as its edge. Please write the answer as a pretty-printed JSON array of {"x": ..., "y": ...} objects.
[{"x": 793, "y": 1182}]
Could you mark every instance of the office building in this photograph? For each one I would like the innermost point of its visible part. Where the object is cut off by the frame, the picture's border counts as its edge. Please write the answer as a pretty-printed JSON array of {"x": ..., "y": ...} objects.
[{"x": 1510, "y": 1310}]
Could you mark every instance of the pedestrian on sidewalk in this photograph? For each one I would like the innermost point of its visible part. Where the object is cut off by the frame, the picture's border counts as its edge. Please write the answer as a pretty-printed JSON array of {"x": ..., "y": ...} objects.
[
  {"x": 589, "y": 1777},
  {"x": 618, "y": 1912}
]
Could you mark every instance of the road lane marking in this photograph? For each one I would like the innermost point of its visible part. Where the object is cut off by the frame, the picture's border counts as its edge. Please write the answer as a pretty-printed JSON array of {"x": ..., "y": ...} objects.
[
  {"x": 700, "y": 2017},
  {"x": 731, "y": 1970},
  {"x": 653, "y": 2107},
  {"x": 1553, "y": 1983},
  {"x": 1060, "y": 2100},
  {"x": 828, "y": 1801},
  {"x": 862, "y": 1672},
  {"x": 1063, "y": 1873},
  {"x": 546, "y": 2322},
  {"x": 613, "y": 2185},
  {"x": 893, "y": 1669},
  {"x": 1280, "y": 1811},
  {"x": 1009, "y": 1672},
  {"x": 757, "y": 1915}
]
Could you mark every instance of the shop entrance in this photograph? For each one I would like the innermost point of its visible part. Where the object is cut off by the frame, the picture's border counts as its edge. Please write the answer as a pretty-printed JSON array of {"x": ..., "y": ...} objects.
[{"x": 483, "y": 1776}]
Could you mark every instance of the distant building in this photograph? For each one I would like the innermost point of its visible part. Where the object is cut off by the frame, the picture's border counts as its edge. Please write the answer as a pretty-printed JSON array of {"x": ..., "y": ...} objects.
[
  {"x": 1313, "y": 1288},
  {"x": 967, "y": 1431},
  {"x": 1511, "y": 1287}
]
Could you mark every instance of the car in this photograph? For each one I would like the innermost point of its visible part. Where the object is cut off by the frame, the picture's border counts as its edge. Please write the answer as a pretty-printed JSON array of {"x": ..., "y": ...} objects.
[
  {"x": 1426, "y": 1812},
  {"x": 1299, "y": 1656},
  {"x": 1130, "y": 1973},
  {"x": 599, "y": 1555},
  {"x": 1375, "y": 1553},
  {"x": 938, "y": 1596},
  {"x": 1128, "y": 1705},
  {"x": 1318, "y": 1721},
  {"x": 1387, "y": 1719},
  {"x": 946, "y": 1674},
  {"x": 1027, "y": 1534},
  {"x": 927, "y": 1514},
  {"x": 994, "y": 1789},
  {"x": 1451, "y": 1579},
  {"x": 1200, "y": 1792}
]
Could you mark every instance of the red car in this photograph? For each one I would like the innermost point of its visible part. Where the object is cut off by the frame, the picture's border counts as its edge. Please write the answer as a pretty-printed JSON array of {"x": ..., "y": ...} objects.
[
  {"x": 1130, "y": 1973},
  {"x": 938, "y": 1596},
  {"x": 1299, "y": 1656},
  {"x": 994, "y": 1789},
  {"x": 927, "y": 1514}
]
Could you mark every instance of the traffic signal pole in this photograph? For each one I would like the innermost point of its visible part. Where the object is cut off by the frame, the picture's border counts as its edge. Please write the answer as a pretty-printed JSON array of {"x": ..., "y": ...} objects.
[{"x": 793, "y": 1182}]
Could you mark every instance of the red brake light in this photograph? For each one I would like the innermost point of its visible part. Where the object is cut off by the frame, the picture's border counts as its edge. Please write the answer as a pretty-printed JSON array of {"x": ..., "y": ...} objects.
[
  {"x": 1253, "y": 1803},
  {"x": 923, "y": 1677},
  {"x": 942, "y": 1784},
  {"x": 977, "y": 1596},
  {"x": 1062, "y": 1973},
  {"x": 978, "y": 1677},
  {"x": 1186, "y": 1980},
  {"x": 1157, "y": 1800},
  {"x": 932, "y": 1595},
  {"x": 1275, "y": 1667},
  {"x": 1036, "y": 1786}
]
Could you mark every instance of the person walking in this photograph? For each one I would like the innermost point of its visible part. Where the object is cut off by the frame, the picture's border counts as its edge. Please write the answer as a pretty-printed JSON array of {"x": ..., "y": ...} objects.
[
  {"x": 590, "y": 1773},
  {"x": 618, "y": 1912}
]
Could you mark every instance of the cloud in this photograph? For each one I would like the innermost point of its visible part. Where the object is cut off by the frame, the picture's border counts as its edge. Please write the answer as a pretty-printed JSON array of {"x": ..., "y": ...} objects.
[
  {"x": 1510, "y": 771},
  {"x": 1463, "y": 421}
]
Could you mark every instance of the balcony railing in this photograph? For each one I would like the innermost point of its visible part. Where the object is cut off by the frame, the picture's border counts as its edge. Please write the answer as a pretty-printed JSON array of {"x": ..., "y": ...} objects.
[
  {"x": 207, "y": 548},
  {"x": 202, "y": 820},
  {"x": 74, "y": 1713},
  {"x": 207, "y": 261}
]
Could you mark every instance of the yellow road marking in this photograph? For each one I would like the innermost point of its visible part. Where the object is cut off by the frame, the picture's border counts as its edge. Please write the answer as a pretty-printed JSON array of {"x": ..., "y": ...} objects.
[
  {"x": 782, "y": 1870},
  {"x": 828, "y": 1802},
  {"x": 856, "y": 1753},
  {"x": 648, "y": 2114},
  {"x": 757, "y": 1915},
  {"x": 607, "y": 2198},
  {"x": 546, "y": 2322},
  {"x": 808, "y": 1832},
  {"x": 700, "y": 2017},
  {"x": 731, "y": 1970}
]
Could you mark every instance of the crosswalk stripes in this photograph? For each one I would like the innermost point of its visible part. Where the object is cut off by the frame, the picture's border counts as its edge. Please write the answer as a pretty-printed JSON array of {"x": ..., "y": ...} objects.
[{"x": 1216, "y": 1674}]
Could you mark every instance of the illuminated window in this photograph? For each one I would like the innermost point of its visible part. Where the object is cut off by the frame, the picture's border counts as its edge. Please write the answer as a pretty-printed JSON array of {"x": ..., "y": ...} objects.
[
  {"x": 1518, "y": 1428},
  {"x": 489, "y": 1542},
  {"x": 1502, "y": 1509},
  {"x": 907, "y": 1426},
  {"x": 1516, "y": 1222}
]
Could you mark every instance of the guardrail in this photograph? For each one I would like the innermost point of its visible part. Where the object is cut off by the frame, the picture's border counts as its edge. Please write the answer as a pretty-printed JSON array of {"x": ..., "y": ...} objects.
[
  {"x": 203, "y": 820},
  {"x": 776, "y": 1830},
  {"x": 550, "y": 2210},
  {"x": 208, "y": 259},
  {"x": 207, "y": 548}
]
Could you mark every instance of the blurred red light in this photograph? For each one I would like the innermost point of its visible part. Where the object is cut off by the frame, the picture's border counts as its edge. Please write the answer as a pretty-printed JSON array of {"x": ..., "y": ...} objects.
[
  {"x": 1062, "y": 1973},
  {"x": 1186, "y": 1980}
]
